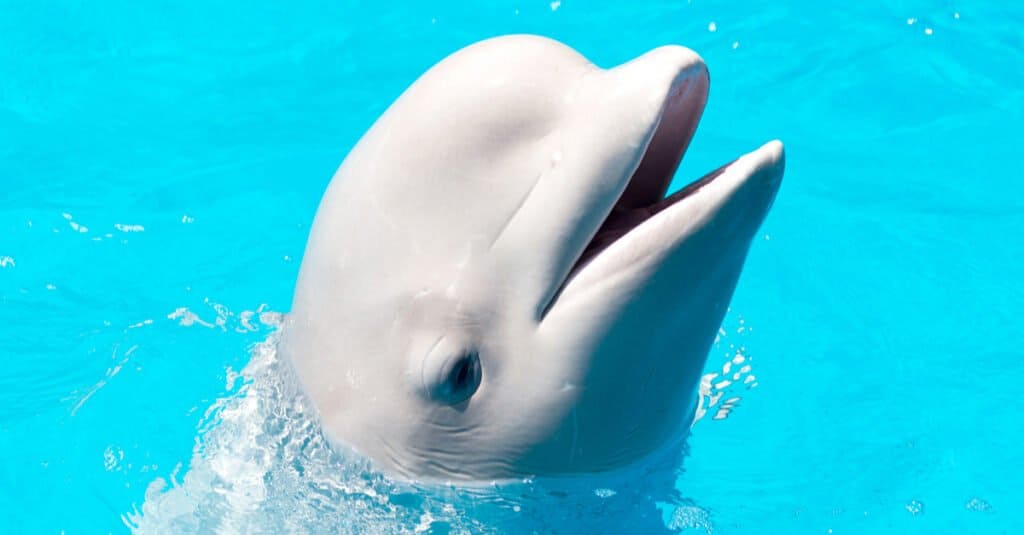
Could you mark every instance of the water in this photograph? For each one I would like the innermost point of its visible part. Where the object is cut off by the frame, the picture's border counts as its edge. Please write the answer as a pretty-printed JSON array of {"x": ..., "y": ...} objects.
[{"x": 160, "y": 165}]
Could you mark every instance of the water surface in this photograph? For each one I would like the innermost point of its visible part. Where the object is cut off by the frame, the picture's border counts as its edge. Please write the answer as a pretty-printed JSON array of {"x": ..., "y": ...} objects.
[{"x": 160, "y": 165}]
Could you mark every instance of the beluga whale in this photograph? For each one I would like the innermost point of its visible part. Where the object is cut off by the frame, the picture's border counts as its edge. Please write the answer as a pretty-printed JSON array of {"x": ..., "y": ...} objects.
[{"x": 496, "y": 285}]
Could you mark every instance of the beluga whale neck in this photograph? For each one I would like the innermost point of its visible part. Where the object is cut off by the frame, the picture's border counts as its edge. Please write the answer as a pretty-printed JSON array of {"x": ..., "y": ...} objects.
[{"x": 495, "y": 284}]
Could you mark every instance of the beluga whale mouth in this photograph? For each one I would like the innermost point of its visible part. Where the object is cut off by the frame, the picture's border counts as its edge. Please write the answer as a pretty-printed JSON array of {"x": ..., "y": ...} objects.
[
  {"x": 643, "y": 198},
  {"x": 496, "y": 284},
  {"x": 644, "y": 195}
]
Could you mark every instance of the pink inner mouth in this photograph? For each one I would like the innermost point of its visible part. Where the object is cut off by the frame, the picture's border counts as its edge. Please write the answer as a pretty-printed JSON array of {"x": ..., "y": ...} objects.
[{"x": 644, "y": 195}]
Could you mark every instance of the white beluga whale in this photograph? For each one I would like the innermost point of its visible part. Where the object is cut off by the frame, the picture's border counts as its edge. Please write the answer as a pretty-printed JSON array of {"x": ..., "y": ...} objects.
[{"x": 496, "y": 286}]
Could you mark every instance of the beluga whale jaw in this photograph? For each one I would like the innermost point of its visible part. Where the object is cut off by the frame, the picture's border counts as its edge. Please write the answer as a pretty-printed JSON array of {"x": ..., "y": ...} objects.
[{"x": 495, "y": 284}]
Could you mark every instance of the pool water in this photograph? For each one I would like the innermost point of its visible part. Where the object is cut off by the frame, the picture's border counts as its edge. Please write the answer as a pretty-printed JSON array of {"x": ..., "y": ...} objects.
[{"x": 160, "y": 165}]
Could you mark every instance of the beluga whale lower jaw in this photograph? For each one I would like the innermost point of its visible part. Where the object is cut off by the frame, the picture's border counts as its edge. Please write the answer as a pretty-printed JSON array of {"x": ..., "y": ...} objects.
[{"x": 495, "y": 284}]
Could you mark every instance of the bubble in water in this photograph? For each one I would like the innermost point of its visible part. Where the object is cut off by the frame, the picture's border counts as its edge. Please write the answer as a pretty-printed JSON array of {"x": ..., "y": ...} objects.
[
  {"x": 690, "y": 517},
  {"x": 915, "y": 507},
  {"x": 112, "y": 458},
  {"x": 977, "y": 504}
]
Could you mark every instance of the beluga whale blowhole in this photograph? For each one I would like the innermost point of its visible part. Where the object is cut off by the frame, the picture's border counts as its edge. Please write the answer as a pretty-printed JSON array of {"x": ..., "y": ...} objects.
[{"x": 495, "y": 284}]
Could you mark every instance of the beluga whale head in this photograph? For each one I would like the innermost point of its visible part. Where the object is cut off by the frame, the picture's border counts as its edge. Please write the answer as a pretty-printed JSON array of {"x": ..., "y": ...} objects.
[{"x": 495, "y": 284}]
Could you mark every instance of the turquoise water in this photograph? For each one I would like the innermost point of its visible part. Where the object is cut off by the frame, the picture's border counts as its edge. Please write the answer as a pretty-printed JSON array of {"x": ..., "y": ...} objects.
[{"x": 160, "y": 165}]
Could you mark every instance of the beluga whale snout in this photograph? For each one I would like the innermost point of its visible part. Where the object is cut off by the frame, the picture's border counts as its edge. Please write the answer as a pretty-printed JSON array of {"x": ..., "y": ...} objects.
[{"x": 495, "y": 284}]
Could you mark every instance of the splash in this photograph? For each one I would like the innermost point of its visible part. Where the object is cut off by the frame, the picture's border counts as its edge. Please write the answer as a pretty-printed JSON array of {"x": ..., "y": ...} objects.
[
  {"x": 719, "y": 392},
  {"x": 261, "y": 464}
]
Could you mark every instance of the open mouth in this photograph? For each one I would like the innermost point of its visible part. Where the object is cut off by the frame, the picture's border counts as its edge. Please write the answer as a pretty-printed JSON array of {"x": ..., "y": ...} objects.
[{"x": 644, "y": 195}]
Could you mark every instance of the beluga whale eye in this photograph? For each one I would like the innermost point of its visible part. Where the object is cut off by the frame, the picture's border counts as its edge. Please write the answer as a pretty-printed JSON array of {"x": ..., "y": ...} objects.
[
  {"x": 463, "y": 377},
  {"x": 452, "y": 377}
]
